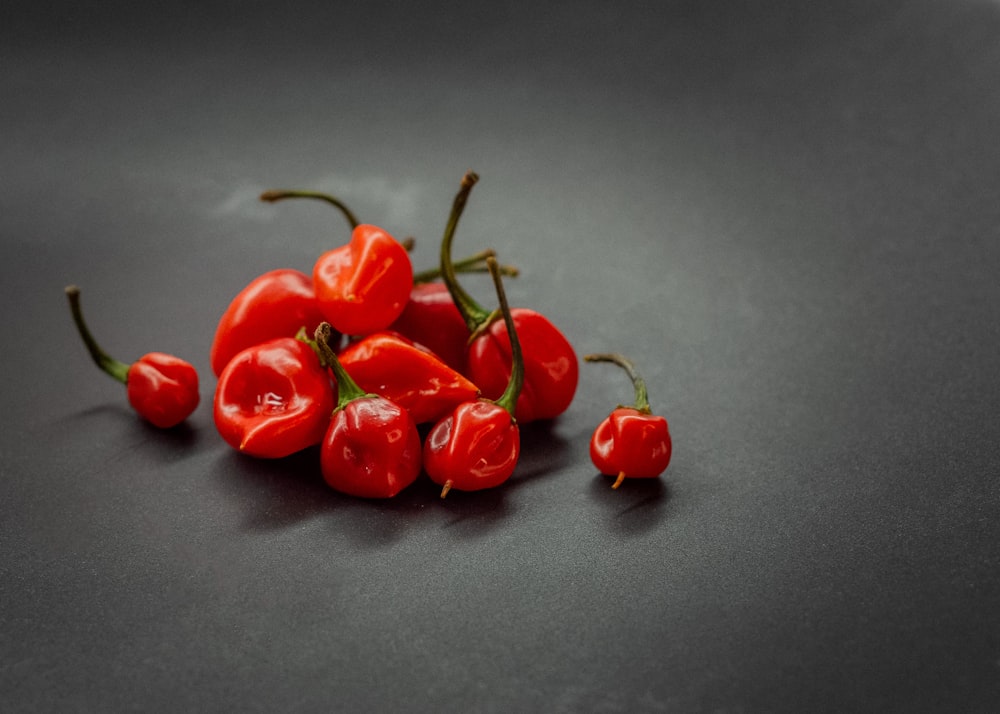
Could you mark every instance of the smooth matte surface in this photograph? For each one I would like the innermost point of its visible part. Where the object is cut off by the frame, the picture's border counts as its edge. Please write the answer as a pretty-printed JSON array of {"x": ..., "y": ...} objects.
[{"x": 788, "y": 217}]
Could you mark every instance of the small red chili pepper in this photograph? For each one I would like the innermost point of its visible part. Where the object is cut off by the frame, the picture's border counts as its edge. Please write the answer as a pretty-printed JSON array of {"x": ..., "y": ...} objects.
[
  {"x": 408, "y": 374},
  {"x": 631, "y": 442},
  {"x": 371, "y": 448},
  {"x": 276, "y": 304},
  {"x": 551, "y": 368},
  {"x": 477, "y": 446},
  {"x": 163, "y": 389},
  {"x": 274, "y": 399},
  {"x": 363, "y": 286}
]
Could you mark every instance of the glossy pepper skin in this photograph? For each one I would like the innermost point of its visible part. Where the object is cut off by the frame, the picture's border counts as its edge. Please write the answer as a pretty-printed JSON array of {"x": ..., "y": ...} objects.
[
  {"x": 631, "y": 442},
  {"x": 371, "y": 448},
  {"x": 431, "y": 318},
  {"x": 274, "y": 399},
  {"x": 362, "y": 287},
  {"x": 161, "y": 388},
  {"x": 275, "y": 304},
  {"x": 478, "y": 444},
  {"x": 551, "y": 366},
  {"x": 409, "y": 375}
]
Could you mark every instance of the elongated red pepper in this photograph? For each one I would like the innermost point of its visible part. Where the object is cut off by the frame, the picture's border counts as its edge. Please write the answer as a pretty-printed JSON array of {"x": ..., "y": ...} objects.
[
  {"x": 478, "y": 445},
  {"x": 276, "y": 304},
  {"x": 161, "y": 388},
  {"x": 274, "y": 399},
  {"x": 388, "y": 364},
  {"x": 631, "y": 442},
  {"x": 371, "y": 448},
  {"x": 551, "y": 367}
]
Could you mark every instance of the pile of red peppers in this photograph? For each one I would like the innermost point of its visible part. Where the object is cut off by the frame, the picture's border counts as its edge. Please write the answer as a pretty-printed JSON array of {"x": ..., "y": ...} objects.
[{"x": 392, "y": 374}]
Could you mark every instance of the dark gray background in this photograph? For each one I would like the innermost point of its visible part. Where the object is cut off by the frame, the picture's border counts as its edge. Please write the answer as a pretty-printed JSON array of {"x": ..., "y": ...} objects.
[{"x": 788, "y": 216}]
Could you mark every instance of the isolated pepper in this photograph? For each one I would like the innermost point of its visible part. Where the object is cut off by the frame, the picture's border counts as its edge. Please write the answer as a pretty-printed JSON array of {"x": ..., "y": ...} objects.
[
  {"x": 551, "y": 368},
  {"x": 274, "y": 399},
  {"x": 388, "y": 364},
  {"x": 275, "y": 304},
  {"x": 161, "y": 388},
  {"x": 631, "y": 442},
  {"x": 371, "y": 448},
  {"x": 478, "y": 444}
]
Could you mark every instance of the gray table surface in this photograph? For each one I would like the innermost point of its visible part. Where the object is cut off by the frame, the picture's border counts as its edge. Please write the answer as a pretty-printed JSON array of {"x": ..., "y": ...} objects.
[{"x": 788, "y": 216}]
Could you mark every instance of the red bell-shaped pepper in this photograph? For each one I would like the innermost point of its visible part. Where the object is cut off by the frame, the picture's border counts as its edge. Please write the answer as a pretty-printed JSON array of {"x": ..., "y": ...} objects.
[
  {"x": 362, "y": 287},
  {"x": 631, "y": 442},
  {"x": 551, "y": 367},
  {"x": 276, "y": 304},
  {"x": 406, "y": 373},
  {"x": 274, "y": 399},
  {"x": 371, "y": 448},
  {"x": 161, "y": 388},
  {"x": 478, "y": 444}
]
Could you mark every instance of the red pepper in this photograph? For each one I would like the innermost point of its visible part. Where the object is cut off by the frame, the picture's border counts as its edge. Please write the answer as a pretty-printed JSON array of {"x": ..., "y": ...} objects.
[
  {"x": 431, "y": 318},
  {"x": 551, "y": 368},
  {"x": 477, "y": 446},
  {"x": 161, "y": 388},
  {"x": 408, "y": 374},
  {"x": 274, "y": 399},
  {"x": 371, "y": 448},
  {"x": 632, "y": 441},
  {"x": 276, "y": 304},
  {"x": 361, "y": 287}
]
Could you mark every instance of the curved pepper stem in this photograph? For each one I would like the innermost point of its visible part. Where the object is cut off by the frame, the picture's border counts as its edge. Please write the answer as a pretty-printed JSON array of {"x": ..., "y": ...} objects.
[
  {"x": 118, "y": 370},
  {"x": 280, "y": 194},
  {"x": 508, "y": 400},
  {"x": 472, "y": 312},
  {"x": 347, "y": 389},
  {"x": 641, "y": 396}
]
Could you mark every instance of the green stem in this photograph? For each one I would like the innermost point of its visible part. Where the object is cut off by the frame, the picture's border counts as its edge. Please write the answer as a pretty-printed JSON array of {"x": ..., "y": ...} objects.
[
  {"x": 472, "y": 312},
  {"x": 347, "y": 389},
  {"x": 508, "y": 400},
  {"x": 641, "y": 396},
  {"x": 118, "y": 370},
  {"x": 281, "y": 194},
  {"x": 473, "y": 264}
]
